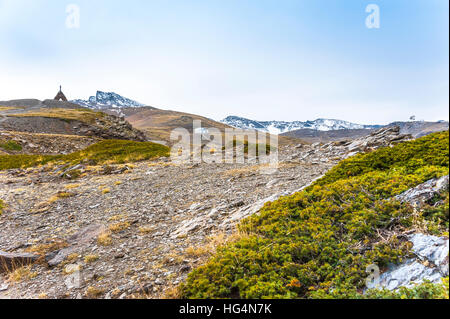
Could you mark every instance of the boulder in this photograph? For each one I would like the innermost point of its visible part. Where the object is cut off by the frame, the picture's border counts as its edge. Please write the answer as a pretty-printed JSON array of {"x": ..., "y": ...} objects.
[
  {"x": 424, "y": 192},
  {"x": 430, "y": 263},
  {"x": 76, "y": 242}
]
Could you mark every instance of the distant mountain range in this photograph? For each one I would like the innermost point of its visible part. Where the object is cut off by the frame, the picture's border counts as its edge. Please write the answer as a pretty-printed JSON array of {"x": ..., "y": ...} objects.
[
  {"x": 280, "y": 127},
  {"x": 317, "y": 130},
  {"x": 107, "y": 100}
]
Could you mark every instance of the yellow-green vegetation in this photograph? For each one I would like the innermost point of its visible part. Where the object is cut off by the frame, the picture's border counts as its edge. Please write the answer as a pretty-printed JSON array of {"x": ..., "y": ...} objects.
[
  {"x": 60, "y": 195},
  {"x": 8, "y": 108},
  {"x": 10, "y": 146},
  {"x": 47, "y": 247},
  {"x": 118, "y": 152},
  {"x": 83, "y": 115},
  {"x": 104, "y": 239},
  {"x": 2, "y": 206},
  {"x": 119, "y": 227},
  {"x": 21, "y": 274},
  {"x": 317, "y": 243},
  {"x": 93, "y": 292},
  {"x": 23, "y": 161},
  {"x": 104, "y": 152},
  {"x": 90, "y": 259}
]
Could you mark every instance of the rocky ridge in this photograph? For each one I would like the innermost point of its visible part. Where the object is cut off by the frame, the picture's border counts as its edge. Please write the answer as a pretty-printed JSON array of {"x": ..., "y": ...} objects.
[
  {"x": 58, "y": 117},
  {"x": 318, "y": 152}
]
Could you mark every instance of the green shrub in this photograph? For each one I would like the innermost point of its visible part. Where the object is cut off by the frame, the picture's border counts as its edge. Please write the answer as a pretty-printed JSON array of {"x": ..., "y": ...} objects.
[
  {"x": 432, "y": 150},
  {"x": 437, "y": 214},
  {"x": 107, "y": 151},
  {"x": 2, "y": 206},
  {"x": 11, "y": 146},
  {"x": 317, "y": 243}
]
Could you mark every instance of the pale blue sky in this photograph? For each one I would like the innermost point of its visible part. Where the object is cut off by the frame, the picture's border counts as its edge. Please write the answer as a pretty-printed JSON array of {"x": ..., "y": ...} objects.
[{"x": 266, "y": 60}]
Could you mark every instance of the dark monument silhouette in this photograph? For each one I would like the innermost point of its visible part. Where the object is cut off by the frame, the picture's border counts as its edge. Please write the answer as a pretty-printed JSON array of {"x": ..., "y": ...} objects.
[{"x": 60, "y": 96}]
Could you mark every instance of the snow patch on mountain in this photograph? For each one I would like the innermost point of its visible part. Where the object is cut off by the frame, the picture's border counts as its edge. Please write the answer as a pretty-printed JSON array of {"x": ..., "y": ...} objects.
[
  {"x": 107, "y": 100},
  {"x": 280, "y": 127}
]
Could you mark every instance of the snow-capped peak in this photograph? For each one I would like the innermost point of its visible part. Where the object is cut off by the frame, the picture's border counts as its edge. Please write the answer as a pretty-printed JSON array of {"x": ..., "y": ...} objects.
[
  {"x": 104, "y": 100},
  {"x": 280, "y": 127}
]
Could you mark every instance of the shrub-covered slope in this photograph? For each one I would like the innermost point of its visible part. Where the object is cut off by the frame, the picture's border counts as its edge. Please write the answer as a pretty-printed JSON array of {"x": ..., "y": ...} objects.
[
  {"x": 104, "y": 152},
  {"x": 317, "y": 243}
]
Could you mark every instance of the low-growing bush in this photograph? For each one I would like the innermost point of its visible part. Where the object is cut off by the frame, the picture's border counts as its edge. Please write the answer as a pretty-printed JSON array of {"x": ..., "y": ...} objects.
[
  {"x": 317, "y": 243},
  {"x": 409, "y": 156},
  {"x": 107, "y": 151},
  {"x": 11, "y": 146}
]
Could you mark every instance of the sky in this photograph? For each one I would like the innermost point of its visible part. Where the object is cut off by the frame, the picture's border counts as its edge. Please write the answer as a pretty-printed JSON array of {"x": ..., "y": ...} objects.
[{"x": 264, "y": 60}]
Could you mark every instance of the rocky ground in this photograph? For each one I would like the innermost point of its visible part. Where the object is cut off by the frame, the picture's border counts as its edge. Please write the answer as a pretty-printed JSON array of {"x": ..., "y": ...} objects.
[
  {"x": 154, "y": 220},
  {"x": 127, "y": 231},
  {"x": 45, "y": 144}
]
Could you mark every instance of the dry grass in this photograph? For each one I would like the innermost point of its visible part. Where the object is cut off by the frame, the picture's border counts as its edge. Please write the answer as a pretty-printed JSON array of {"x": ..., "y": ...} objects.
[
  {"x": 8, "y": 108},
  {"x": 90, "y": 259},
  {"x": 72, "y": 186},
  {"x": 172, "y": 292},
  {"x": 213, "y": 242},
  {"x": 46, "y": 248},
  {"x": 117, "y": 217},
  {"x": 119, "y": 227},
  {"x": 60, "y": 195},
  {"x": 21, "y": 274},
  {"x": 104, "y": 239},
  {"x": 94, "y": 292},
  {"x": 42, "y": 296},
  {"x": 144, "y": 230}
]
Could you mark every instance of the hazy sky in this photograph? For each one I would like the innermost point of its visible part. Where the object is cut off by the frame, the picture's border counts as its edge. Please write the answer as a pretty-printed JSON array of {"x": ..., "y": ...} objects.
[{"x": 265, "y": 60}]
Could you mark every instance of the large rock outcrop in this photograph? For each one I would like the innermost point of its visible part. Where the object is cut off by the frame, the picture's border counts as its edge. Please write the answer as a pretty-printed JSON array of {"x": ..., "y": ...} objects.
[
  {"x": 424, "y": 192},
  {"x": 430, "y": 263}
]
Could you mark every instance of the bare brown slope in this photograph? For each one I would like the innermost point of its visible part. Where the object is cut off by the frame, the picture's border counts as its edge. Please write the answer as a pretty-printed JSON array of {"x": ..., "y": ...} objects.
[
  {"x": 158, "y": 124},
  {"x": 57, "y": 117}
]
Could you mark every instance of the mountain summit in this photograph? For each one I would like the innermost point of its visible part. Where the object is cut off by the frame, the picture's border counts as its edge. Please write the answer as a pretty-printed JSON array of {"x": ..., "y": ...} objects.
[
  {"x": 104, "y": 100},
  {"x": 279, "y": 127}
]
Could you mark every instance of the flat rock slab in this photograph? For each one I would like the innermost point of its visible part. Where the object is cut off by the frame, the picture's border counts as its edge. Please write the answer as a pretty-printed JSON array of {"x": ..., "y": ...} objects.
[
  {"x": 9, "y": 261},
  {"x": 83, "y": 237},
  {"x": 424, "y": 192}
]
